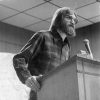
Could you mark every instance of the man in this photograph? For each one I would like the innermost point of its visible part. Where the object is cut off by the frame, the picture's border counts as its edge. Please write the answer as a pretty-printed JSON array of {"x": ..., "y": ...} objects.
[{"x": 46, "y": 50}]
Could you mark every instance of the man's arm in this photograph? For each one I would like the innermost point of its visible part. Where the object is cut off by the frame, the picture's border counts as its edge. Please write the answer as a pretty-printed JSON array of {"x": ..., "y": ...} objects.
[{"x": 21, "y": 60}]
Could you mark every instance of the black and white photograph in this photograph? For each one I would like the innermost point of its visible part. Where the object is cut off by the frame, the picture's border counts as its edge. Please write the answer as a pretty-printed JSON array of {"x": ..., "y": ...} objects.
[{"x": 49, "y": 49}]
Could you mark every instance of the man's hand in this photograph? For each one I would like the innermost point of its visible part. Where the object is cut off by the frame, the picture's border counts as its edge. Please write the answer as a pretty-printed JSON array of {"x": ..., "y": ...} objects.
[{"x": 33, "y": 83}]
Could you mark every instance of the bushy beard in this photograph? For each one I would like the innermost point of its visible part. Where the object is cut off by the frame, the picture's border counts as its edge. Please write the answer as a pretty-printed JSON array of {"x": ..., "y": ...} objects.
[{"x": 69, "y": 30}]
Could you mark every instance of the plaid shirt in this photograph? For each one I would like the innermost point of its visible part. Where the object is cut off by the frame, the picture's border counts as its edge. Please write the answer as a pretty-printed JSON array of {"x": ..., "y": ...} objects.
[{"x": 42, "y": 53}]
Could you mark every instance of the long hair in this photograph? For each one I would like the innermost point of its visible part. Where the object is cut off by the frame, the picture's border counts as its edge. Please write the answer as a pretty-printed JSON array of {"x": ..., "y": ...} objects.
[{"x": 56, "y": 22}]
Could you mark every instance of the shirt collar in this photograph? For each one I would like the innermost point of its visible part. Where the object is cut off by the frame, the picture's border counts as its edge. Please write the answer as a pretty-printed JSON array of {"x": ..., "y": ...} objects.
[{"x": 56, "y": 34}]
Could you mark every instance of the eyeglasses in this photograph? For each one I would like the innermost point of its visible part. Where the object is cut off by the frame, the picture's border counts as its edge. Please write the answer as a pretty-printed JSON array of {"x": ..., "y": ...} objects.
[{"x": 72, "y": 17}]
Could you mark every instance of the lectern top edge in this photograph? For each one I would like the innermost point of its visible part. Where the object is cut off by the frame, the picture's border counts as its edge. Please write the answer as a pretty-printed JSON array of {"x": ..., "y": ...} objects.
[{"x": 71, "y": 60}]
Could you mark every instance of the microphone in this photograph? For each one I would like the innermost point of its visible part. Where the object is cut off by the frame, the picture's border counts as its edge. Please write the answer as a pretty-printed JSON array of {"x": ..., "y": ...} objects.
[
  {"x": 86, "y": 42},
  {"x": 87, "y": 45}
]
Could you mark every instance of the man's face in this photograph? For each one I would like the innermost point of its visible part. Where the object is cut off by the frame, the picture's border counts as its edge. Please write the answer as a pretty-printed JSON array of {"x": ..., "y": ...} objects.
[{"x": 68, "y": 25}]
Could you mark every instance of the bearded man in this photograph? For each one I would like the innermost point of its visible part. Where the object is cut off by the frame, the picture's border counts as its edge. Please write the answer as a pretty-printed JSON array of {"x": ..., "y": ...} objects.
[{"x": 46, "y": 50}]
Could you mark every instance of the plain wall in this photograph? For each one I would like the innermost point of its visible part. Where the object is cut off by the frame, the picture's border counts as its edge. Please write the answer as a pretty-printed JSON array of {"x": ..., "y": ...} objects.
[{"x": 13, "y": 38}]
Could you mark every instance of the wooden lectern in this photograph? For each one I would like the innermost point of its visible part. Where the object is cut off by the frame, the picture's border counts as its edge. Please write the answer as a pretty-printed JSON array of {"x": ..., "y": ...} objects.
[{"x": 76, "y": 79}]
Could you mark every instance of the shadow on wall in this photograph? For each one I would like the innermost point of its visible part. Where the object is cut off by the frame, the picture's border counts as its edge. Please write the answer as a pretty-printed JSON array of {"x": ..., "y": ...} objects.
[{"x": 10, "y": 86}]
